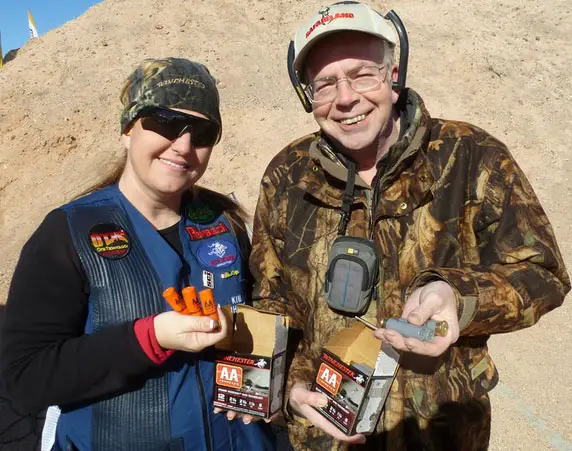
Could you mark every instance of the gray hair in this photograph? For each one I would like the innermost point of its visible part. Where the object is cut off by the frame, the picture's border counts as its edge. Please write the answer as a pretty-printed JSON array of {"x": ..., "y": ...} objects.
[{"x": 388, "y": 56}]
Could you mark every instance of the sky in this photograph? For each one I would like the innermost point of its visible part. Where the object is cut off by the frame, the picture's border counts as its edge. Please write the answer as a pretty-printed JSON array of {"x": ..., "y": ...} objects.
[{"x": 48, "y": 14}]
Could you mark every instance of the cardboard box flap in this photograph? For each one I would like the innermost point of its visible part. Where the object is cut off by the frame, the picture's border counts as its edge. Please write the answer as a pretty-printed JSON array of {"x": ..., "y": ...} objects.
[
  {"x": 387, "y": 361},
  {"x": 355, "y": 344},
  {"x": 256, "y": 332}
]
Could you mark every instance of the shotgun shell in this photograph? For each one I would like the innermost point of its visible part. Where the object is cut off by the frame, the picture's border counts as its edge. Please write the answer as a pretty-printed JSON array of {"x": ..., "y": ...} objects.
[
  {"x": 426, "y": 332},
  {"x": 208, "y": 304},
  {"x": 441, "y": 328},
  {"x": 175, "y": 301},
  {"x": 192, "y": 302}
]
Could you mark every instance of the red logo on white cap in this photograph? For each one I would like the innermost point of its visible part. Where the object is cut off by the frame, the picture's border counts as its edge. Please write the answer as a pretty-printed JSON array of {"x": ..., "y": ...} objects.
[{"x": 326, "y": 19}]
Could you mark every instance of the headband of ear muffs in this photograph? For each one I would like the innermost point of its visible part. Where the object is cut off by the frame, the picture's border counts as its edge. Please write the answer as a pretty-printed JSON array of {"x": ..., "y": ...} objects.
[{"x": 399, "y": 86}]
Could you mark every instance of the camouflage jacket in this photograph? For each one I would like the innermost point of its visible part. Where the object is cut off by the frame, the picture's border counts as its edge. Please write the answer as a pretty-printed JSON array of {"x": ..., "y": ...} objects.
[{"x": 452, "y": 205}]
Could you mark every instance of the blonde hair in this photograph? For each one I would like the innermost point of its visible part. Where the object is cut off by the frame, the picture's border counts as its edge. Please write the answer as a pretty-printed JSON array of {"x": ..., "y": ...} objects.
[{"x": 237, "y": 215}]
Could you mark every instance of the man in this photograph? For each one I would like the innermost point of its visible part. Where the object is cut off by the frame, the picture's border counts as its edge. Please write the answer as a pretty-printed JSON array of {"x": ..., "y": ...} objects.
[{"x": 459, "y": 233}]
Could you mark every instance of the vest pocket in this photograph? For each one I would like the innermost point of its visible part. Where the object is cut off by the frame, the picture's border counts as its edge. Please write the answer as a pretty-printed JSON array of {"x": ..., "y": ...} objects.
[
  {"x": 70, "y": 446},
  {"x": 175, "y": 445}
]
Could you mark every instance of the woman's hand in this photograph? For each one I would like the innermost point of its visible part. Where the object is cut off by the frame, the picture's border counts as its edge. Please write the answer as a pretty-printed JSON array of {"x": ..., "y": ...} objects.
[
  {"x": 246, "y": 418},
  {"x": 189, "y": 333},
  {"x": 303, "y": 401}
]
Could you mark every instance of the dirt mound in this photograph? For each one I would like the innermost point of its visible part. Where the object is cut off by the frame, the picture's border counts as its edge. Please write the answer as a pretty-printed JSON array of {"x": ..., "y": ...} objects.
[
  {"x": 502, "y": 66},
  {"x": 10, "y": 56}
]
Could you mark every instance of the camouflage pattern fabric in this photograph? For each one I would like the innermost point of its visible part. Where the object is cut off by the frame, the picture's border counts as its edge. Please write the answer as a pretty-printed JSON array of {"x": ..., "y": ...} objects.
[
  {"x": 170, "y": 83},
  {"x": 453, "y": 205}
]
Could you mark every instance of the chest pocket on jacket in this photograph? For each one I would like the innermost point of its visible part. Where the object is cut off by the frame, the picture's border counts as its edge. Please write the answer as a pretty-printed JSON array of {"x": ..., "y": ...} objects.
[{"x": 471, "y": 375}]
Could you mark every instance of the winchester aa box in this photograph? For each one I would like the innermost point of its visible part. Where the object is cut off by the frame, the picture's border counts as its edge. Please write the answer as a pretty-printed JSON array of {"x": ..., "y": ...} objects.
[
  {"x": 251, "y": 361},
  {"x": 355, "y": 373}
]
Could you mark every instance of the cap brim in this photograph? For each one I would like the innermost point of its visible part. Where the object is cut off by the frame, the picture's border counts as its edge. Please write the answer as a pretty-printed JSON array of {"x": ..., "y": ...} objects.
[{"x": 301, "y": 56}]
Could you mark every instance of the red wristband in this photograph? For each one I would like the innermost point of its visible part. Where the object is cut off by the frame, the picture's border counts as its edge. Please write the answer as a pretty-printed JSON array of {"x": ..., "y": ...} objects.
[{"x": 145, "y": 332}]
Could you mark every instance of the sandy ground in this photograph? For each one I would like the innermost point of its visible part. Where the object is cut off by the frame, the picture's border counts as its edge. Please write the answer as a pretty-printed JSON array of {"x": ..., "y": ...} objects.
[{"x": 503, "y": 66}]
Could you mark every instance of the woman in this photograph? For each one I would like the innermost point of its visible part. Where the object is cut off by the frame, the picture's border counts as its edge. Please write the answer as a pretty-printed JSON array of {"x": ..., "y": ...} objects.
[{"x": 86, "y": 327}]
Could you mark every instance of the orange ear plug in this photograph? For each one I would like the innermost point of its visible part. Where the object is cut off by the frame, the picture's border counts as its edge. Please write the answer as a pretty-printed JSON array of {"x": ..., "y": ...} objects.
[
  {"x": 208, "y": 304},
  {"x": 175, "y": 301},
  {"x": 192, "y": 302}
]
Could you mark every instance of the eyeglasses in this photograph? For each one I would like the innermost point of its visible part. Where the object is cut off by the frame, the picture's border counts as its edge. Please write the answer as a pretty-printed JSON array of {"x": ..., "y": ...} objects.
[
  {"x": 362, "y": 79},
  {"x": 171, "y": 124}
]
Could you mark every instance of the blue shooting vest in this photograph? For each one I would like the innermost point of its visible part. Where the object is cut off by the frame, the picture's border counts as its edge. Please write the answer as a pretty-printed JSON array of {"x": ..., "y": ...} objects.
[{"x": 128, "y": 265}]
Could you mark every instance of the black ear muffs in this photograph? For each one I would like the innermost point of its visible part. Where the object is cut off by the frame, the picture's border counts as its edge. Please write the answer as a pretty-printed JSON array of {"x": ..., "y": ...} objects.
[
  {"x": 398, "y": 86},
  {"x": 296, "y": 81}
]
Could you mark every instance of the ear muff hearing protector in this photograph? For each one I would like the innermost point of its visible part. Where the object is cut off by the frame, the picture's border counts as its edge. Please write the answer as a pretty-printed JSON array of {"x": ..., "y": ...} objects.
[{"x": 398, "y": 86}]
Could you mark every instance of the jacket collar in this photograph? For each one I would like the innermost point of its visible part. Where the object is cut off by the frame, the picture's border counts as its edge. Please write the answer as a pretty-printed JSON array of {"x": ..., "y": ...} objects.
[
  {"x": 414, "y": 125},
  {"x": 331, "y": 163}
]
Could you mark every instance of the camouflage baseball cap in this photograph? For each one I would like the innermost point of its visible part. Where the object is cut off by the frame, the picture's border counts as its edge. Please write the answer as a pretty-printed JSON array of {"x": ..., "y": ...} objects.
[{"x": 170, "y": 83}]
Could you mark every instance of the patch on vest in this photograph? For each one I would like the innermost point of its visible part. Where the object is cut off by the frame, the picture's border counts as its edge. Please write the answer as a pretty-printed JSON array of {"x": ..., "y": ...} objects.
[
  {"x": 208, "y": 232},
  {"x": 229, "y": 274},
  {"x": 109, "y": 240},
  {"x": 208, "y": 279},
  {"x": 200, "y": 213},
  {"x": 217, "y": 254}
]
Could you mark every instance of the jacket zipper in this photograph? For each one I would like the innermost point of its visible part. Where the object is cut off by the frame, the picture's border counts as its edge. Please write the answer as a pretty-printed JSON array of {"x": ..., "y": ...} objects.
[
  {"x": 372, "y": 200},
  {"x": 369, "y": 204},
  {"x": 204, "y": 408}
]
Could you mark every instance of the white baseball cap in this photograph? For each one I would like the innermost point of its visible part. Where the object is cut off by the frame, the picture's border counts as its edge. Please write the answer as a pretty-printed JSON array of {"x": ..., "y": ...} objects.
[{"x": 342, "y": 16}]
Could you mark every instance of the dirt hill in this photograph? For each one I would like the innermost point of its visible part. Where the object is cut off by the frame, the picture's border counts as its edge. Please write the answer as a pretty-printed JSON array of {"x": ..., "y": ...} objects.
[{"x": 501, "y": 65}]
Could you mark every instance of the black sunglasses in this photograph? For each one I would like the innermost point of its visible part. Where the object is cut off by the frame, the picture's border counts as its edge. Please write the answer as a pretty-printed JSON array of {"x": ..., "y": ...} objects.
[{"x": 171, "y": 124}]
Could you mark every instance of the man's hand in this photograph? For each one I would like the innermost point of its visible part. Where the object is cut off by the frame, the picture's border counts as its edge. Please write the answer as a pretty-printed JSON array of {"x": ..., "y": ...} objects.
[
  {"x": 189, "y": 333},
  {"x": 303, "y": 401},
  {"x": 436, "y": 301}
]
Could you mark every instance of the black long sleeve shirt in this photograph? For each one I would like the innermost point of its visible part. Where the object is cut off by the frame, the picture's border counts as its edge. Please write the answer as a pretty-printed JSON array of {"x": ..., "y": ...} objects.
[{"x": 46, "y": 357}]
